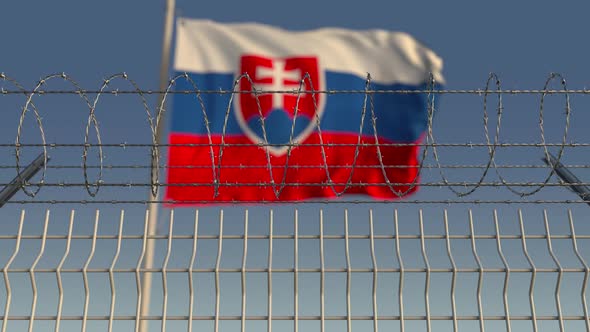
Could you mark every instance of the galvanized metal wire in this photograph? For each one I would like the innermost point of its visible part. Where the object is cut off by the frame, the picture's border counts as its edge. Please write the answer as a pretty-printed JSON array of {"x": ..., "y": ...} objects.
[
  {"x": 430, "y": 147},
  {"x": 249, "y": 296}
]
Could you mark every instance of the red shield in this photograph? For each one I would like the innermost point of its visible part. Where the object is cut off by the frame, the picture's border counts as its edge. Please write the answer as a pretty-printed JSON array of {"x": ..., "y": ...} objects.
[{"x": 279, "y": 74}]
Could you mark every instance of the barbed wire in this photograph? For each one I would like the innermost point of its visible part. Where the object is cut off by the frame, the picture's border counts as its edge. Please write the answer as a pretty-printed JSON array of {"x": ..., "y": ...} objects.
[
  {"x": 427, "y": 166},
  {"x": 492, "y": 142},
  {"x": 263, "y": 184},
  {"x": 264, "y": 145}
]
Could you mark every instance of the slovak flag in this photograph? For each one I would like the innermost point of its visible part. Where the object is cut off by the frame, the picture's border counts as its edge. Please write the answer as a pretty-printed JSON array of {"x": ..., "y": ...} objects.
[{"x": 266, "y": 114}]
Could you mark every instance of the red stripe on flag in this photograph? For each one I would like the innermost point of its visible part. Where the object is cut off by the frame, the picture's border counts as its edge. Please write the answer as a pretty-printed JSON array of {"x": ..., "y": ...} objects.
[{"x": 244, "y": 174}]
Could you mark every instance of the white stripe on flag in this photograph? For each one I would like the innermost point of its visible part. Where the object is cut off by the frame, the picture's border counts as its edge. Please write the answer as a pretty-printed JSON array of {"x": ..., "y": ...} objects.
[{"x": 203, "y": 46}]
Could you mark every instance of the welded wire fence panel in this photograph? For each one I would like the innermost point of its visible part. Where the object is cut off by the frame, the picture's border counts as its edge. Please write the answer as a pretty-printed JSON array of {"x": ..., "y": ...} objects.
[
  {"x": 493, "y": 239},
  {"x": 331, "y": 271}
]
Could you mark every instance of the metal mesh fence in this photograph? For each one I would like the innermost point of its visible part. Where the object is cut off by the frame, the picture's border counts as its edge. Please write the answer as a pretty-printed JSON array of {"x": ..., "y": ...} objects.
[
  {"x": 278, "y": 270},
  {"x": 491, "y": 241}
]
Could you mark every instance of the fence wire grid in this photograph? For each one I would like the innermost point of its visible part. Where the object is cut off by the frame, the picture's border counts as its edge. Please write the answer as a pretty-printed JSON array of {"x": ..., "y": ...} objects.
[
  {"x": 493, "y": 239},
  {"x": 289, "y": 278}
]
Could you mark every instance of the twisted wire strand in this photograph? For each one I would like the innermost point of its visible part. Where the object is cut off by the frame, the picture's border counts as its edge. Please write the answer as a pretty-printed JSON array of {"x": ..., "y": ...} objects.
[
  {"x": 542, "y": 130},
  {"x": 255, "y": 93},
  {"x": 306, "y": 87},
  {"x": 155, "y": 172},
  {"x": 301, "y": 184},
  {"x": 292, "y": 131},
  {"x": 262, "y": 145},
  {"x": 427, "y": 166},
  {"x": 492, "y": 150},
  {"x": 196, "y": 92},
  {"x": 92, "y": 117},
  {"x": 430, "y": 110},
  {"x": 479, "y": 92}
]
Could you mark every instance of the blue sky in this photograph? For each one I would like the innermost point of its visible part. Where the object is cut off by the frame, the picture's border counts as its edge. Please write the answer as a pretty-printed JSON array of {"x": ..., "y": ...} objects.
[{"x": 521, "y": 41}]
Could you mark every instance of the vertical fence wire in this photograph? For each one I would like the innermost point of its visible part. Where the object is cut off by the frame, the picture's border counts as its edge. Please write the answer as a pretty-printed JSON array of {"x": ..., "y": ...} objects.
[
  {"x": 401, "y": 273},
  {"x": 480, "y": 272},
  {"x": 59, "y": 270},
  {"x": 322, "y": 275},
  {"x": 269, "y": 273},
  {"x": 427, "y": 277},
  {"x": 506, "y": 274},
  {"x": 533, "y": 274},
  {"x": 85, "y": 272},
  {"x": 375, "y": 270},
  {"x": 243, "y": 272},
  {"x": 112, "y": 273},
  {"x": 164, "y": 272},
  {"x": 191, "y": 267},
  {"x": 32, "y": 273},
  {"x": 296, "y": 269},
  {"x": 138, "y": 274},
  {"x": 217, "y": 266},
  {"x": 453, "y": 271},
  {"x": 5, "y": 272},
  {"x": 348, "y": 273},
  {"x": 559, "y": 274},
  {"x": 586, "y": 269}
]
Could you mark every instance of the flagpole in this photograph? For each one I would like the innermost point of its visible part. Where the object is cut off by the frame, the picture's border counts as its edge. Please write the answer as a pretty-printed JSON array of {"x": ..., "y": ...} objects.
[{"x": 153, "y": 207}]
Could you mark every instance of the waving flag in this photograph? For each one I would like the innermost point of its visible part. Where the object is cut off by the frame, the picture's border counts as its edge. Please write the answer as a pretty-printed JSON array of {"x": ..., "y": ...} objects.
[{"x": 280, "y": 135}]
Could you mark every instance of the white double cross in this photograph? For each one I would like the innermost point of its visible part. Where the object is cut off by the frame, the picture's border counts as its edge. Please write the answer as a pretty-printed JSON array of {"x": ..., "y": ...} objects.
[{"x": 279, "y": 76}]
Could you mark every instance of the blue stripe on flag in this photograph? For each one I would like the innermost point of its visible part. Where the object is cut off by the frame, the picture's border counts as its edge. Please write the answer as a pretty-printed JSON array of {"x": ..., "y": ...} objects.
[{"x": 400, "y": 117}]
